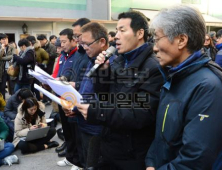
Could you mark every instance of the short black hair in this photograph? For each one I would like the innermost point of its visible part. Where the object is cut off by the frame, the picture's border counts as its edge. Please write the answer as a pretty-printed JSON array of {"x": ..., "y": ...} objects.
[
  {"x": 3, "y": 36},
  {"x": 138, "y": 21},
  {"x": 97, "y": 30},
  {"x": 25, "y": 93},
  {"x": 23, "y": 41},
  {"x": 219, "y": 33},
  {"x": 68, "y": 32},
  {"x": 81, "y": 22},
  {"x": 112, "y": 33},
  {"x": 31, "y": 39},
  {"x": 52, "y": 37},
  {"x": 41, "y": 37}
]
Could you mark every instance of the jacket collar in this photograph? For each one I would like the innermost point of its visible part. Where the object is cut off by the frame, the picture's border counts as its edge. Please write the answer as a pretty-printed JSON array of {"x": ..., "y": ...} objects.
[
  {"x": 193, "y": 63},
  {"x": 139, "y": 56},
  {"x": 219, "y": 46},
  {"x": 71, "y": 52}
]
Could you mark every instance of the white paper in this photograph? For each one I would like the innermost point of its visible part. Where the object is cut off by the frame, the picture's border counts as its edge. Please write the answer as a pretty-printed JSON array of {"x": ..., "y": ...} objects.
[
  {"x": 43, "y": 73},
  {"x": 65, "y": 90},
  {"x": 64, "y": 103},
  {"x": 49, "y": 120},
  {"x": 40, "y": 75}
]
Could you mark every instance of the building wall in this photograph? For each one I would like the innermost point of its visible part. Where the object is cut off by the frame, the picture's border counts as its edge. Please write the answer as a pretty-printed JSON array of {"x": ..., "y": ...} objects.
[{"x": 34, "y": 28}]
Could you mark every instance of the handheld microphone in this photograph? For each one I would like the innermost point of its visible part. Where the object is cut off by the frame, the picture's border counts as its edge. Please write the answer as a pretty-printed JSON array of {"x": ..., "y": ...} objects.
[{"x": 109, "y": 52}]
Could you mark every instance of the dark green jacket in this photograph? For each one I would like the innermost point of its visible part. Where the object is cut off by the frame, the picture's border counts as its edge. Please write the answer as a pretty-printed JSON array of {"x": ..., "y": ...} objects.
[{"x": 3, "y": 129}]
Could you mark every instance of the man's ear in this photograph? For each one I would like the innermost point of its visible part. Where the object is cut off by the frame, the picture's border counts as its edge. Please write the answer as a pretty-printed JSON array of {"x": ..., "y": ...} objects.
[
  {"x": 182, "y": 41},
  {"x": 103, "y": 42},
  {"x": 140, "y": 34}
]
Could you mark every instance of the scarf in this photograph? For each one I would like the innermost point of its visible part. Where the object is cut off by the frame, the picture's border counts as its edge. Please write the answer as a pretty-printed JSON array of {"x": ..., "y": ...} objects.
[{"x": 22, "y": 56}]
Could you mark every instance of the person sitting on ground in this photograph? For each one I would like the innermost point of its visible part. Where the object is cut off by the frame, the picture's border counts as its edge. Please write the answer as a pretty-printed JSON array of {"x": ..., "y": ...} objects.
[
  {"x": 14, "y": 101},
  {"x": 31, "y": 114},
  {"x": 8, "y": 148}
]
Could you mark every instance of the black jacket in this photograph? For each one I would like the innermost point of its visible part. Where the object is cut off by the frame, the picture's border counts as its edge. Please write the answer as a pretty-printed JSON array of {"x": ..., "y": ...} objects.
[
  {"x": 129, "y": 124},
  {"x": 51, "y": 50},
  {"x": 12, "y": 106},
  {"x": 188, "y": 129}
]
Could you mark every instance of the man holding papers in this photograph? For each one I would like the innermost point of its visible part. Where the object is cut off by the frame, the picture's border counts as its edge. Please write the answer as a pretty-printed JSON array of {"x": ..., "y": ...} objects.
[
  {"x": 70, "y": 66},
  {"x": 94, "y": 40}
]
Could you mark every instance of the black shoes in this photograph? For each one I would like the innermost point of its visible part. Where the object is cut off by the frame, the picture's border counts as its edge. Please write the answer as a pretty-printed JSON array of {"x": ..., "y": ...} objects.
[
  {"x": 60, "y": 134},
  {"x": 61, "y": 148},
  {"x": 62, "y": 153},
  {"x": 52, "y": 144}
]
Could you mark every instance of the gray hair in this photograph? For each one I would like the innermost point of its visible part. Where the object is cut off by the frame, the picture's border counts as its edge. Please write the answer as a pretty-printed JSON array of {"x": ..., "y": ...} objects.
[{"x": 182, "y": 20}]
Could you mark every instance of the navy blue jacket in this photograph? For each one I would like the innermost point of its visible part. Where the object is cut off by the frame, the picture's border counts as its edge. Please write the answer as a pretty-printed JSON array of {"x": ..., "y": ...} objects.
[
  {"x": 218, "y": 58},
  {"x": 133, "y": 83},
  {"x": 188, "y": 128},
  {"x": 66, "y": 62},
  {"x": 87, "y": 91}
]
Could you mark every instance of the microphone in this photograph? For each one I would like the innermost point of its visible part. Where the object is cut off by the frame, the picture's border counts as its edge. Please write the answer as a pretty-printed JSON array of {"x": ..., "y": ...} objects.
[{"x": 109, "y": 52}]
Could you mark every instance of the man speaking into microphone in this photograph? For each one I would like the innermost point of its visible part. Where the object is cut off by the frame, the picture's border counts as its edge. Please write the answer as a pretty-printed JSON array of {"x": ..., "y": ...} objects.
[{"x": 132, "y": 82}]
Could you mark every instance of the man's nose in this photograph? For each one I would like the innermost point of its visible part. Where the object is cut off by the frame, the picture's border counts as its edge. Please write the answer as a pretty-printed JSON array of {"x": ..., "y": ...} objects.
[{"x": 155, "y": 49}]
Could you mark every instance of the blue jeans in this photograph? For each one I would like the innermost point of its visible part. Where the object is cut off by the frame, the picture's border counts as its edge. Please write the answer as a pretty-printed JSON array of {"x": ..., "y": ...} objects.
[
  {"x": 20, "y": 86},
  {"x": 8, "y": 149}
]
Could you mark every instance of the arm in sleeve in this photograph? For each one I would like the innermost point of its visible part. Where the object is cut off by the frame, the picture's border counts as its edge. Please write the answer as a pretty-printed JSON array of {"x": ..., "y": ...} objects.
[
  {"x": 9, "y": 109},
  {"x": 45, "y": 56},
  {"x": 132, "y": 117},
  {"x": 19, "y": 130},
  {"x": 9, "y": 57},
  {"x": 27, "y": 59},
  {"x": 201, "y": 137},
  {"x": 4, "y": 131}
]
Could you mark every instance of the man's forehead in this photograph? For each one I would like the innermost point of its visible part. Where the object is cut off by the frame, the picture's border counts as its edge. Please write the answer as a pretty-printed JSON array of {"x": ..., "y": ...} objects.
[
  {"x": 86, "y": 36},
  {"x": 76, "y": 29}
]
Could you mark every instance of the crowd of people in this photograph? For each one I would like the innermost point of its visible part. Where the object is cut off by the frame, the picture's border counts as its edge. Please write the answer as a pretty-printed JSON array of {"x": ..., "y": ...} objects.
[{"x": 152, "y": 104}]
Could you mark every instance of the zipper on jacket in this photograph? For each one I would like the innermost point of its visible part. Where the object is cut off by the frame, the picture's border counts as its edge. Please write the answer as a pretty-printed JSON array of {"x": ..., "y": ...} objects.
[{"x": 164, "y": 119}]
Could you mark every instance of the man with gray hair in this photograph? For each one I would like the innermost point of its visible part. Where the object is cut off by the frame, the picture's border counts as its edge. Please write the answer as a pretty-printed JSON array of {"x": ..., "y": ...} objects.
[{"x": 189, "y": 116}]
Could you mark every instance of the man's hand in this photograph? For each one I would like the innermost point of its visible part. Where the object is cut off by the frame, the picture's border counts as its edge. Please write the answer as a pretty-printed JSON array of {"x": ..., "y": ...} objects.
[
  {"x": 72, "y": 84},
  {"x": 83, "y": 108},
  {"x": 100, "y": 60},
  {"x": 68, "y": 112},
  {"x": 3, "y": 46},
  {"x": 150, "y": 168}
]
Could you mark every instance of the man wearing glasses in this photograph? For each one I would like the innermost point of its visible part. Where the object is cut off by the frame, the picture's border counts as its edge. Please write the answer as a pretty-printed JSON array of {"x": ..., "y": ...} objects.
[
  {"x": 70, "y": 66},
  {"x": 94, "y": 40},
  {"x": 188, "y": 123},
  {"x": 132, "y": 81}
]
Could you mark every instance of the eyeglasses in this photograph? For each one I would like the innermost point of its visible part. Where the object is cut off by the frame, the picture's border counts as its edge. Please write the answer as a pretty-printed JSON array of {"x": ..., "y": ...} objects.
[
  {"x": 87, "y": 45},
  {"x": 155, "y": 40},
  {"x": 76, "y": 36},
  {"x": 207, "y": 39}
]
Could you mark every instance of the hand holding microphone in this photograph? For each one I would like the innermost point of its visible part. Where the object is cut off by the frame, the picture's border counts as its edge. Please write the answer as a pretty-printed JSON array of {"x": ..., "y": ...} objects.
[{"x": 102, "y": 60}]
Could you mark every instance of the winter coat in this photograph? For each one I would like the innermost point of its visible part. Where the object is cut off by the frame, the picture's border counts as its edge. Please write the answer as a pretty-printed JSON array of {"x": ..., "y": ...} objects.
[
  {"x": 134, "y": 85},
  {"x": 51, "y": 50},
  {"x": 3, "y": 129},
  {"x": 12, "y": 106},
  {"x": 25, "y": 61},
  {"x": 22, "y": 127},
  {"x": 2, "y": 103},
  {"x": 188, "y": 127},
  {"x": 42, "y": 57},
  {"x": 5, "y": 57}
]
